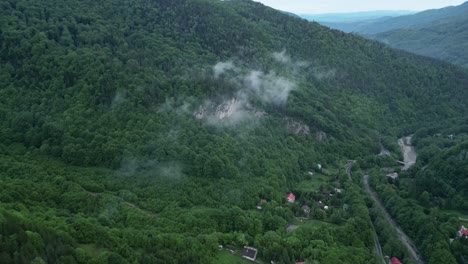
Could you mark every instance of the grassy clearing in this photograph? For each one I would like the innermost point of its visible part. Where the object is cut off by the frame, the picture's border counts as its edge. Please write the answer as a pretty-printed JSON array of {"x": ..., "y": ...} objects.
[
  {"x": 457, "y": 214},
  {"x": 225, "y": 257},
  {"x": 313, "y": 183},
  {"x": 312, "y": 223}
]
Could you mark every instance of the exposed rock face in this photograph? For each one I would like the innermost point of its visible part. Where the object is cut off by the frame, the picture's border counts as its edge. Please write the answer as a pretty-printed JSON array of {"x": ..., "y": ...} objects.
[
  {"x": 200, "y": 113},
  {"x": 232, "y": 110},
  {"x": 321, "y": 136},
  {"x": 296, "y": 127},
  {"x": 409, "y": 153},
  {"x": 228, "y": 108}
]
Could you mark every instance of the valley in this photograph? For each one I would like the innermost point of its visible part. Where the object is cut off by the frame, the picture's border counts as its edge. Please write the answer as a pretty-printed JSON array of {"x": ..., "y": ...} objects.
[{"x": 178, "y": 131}]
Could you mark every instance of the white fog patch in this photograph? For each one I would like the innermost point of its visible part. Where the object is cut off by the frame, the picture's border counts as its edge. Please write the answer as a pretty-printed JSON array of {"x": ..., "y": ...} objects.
[
  {"x": 221, "y": 67},
  {"x": 229, "y": 112},
  {"x": 320, "y": 74},
  {"x": 286, "y": 59},
  {"x": 282, "y": 57},
  {"x": 133, "y": 166},
  {"x": 270, "y": 88},
  {"x": 119, "y": 98}
]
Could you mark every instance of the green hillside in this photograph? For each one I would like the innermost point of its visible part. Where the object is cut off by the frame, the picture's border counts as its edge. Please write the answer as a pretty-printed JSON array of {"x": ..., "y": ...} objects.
[
  {"x": 445, "y": 40},
  {"x": 438, "y": 33},
  {"x": 148, "y": 131},
  {"x": 425, "y": 18}
]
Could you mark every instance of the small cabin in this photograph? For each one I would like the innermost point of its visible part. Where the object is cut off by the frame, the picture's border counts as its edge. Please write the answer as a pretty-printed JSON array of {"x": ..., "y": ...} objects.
[{"x": 249, "y": 253}]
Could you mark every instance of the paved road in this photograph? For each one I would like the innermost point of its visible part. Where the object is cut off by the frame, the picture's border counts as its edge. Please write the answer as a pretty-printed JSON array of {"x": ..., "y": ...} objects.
[
  {"x": 401, "y": 235},
  {"x": 377, "y": 246},
  {"x": 348, "y": 167}
]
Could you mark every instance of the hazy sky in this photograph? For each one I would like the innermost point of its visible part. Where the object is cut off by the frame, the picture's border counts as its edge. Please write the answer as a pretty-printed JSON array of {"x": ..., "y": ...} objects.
[{"x": 336, "y": 6}]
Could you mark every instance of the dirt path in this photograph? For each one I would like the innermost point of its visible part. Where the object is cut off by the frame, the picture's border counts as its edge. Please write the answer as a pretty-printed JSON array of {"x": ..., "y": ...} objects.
[
  {"x": 146, "y": 212},
  {"x": 401, "y": 235}
]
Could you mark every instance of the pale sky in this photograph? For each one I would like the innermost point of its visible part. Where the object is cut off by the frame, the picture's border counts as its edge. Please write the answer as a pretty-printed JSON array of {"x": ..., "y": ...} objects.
[{"x": 338, "y": 6}]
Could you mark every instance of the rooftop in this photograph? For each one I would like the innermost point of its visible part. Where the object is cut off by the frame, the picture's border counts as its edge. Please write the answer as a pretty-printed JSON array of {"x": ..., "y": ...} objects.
[{"x": 249, "y": 253}]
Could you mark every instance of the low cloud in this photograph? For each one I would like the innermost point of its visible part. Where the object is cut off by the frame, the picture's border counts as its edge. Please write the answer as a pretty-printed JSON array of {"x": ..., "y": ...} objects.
[
  {"x": 133, "y": 166},
  {"x": 119, "y": 98},
  {"x": 253, "y": 85},
  {"x": 282, "y": 57},
  {"x": 321, "y": 74},
  {"x": 269, "y": 88},
  {"x": 222, "y": 67}
]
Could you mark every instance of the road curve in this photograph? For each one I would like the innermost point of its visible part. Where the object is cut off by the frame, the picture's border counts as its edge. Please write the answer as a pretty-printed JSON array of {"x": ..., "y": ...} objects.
[
  {"x": 401, "y": 235},
  {"x": 348, "y": 167}
]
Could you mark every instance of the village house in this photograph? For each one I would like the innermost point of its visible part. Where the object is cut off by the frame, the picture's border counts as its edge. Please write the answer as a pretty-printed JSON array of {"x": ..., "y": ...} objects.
[
  {"x": 249, "y": 253},
  {"x": 320, "y": 204},
  {"x": 395, "y": 260},
  {"x": 259, "y": 205},
  {"x": 306, "y": 209},
  {"x": 463, "y": 232},
  {"x": 393, "y": 176},
  {"x": 291, "y": 197}
]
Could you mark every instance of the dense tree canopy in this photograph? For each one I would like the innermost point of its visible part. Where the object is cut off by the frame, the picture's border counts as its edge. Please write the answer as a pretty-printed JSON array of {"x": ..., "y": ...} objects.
[{"x": 113, "y": 149}]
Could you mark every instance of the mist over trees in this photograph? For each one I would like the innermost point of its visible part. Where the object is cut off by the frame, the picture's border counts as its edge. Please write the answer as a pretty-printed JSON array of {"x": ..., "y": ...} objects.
[{"x": 106, "y": 154}]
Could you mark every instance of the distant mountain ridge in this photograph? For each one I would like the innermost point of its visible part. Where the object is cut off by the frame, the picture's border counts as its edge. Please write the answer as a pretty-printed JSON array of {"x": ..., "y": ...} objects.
[
  {"x": 354, "y": 16},
  {"x": 422, "y": 19},
  {"x": 438, "y": 33}
]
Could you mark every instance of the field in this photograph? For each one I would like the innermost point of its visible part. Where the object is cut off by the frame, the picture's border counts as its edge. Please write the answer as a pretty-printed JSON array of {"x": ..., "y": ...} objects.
[
  {"x": 460, "y": 215},
  {"x": 225, "y": 257},
  {"x": 313, "y": 183}
]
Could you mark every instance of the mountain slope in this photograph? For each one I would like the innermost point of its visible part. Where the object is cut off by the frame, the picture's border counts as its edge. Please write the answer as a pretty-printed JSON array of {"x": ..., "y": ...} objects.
[
  {"x": 439, "y": 33},
  {"x": 445, "y": 39},
  {"x": 149, "y": 131},
  {"x": 426, "y": 18}
]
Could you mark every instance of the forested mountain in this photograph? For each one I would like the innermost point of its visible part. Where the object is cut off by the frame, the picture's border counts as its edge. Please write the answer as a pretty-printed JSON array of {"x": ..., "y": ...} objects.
[
  {"x": 148, "y": 131},
  {"x": 439, "y": 33},
  {"x": 446, "y": 40}
]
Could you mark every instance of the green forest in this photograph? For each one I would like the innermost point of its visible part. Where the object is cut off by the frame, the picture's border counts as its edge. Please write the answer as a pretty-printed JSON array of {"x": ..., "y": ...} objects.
[{"x": 143, "y": 131}]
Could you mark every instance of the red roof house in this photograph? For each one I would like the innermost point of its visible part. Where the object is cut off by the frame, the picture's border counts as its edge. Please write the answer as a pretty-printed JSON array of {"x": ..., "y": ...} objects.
[
  {"x": 395, "y": 260},
  {"x": 463, "y": 232},
  {"x": 291, "y": 197}
]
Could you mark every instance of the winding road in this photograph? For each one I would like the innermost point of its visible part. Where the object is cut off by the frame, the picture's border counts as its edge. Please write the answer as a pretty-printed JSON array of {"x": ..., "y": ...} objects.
[
  {"x": 409, "y": 156},
  {"x": 348, "y": 167},
  {"x": 405, "y": 240}
]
